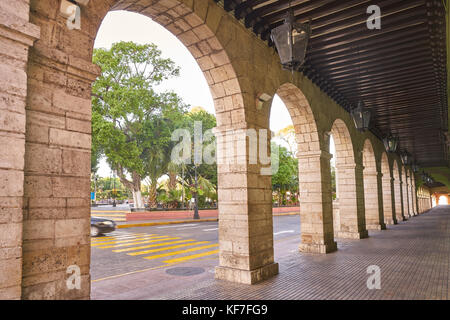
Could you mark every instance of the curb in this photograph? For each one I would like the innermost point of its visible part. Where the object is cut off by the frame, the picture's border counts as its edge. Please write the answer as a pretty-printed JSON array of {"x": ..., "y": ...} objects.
[{"x": 150, "y": 224}]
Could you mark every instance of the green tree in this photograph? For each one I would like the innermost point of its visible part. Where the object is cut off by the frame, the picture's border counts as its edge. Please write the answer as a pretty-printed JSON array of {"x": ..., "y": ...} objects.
[
  {"x": 286, "y": 177},
  {"x": 125, "y": 105}
]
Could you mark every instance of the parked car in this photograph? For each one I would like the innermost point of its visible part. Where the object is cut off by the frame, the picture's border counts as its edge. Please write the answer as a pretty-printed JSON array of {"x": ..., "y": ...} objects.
[{"x": 100, "y": 226}]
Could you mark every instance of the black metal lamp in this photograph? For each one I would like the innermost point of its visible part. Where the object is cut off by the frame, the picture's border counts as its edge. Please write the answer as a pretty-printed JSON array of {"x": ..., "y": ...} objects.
[
  {"x": 415, "y": 167},
  {"x": 291, "y": 40},
  {"x": 361, "y": 117},
  {"x": 405, "y": 157},
  {"x": 390, "y": 143}
]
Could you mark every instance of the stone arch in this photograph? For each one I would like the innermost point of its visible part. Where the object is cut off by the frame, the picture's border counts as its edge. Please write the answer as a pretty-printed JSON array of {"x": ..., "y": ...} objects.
[
  {"x": 58, "y": 111},
  {"x": 373, "y": 212},
  {"x": 388, "y": 207},
  {"x": 396, "y": 174},
  {"x": 349, "y": 185},
  {"x": 314, "y": 174},
  {"x": 411, "y": 192},
  {"x": 405, "y": 192}
]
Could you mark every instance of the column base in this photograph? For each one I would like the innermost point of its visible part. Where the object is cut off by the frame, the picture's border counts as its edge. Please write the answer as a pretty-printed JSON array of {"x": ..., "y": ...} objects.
[
  {"x": 390, "y": 221},
  {"x": 318, "y": 248},
  {"x": 402, "y": 219},
  {"x": 246, "y": 276},
  {"x": 353, "y": 235},
  {"x": 376, "y": 227}
]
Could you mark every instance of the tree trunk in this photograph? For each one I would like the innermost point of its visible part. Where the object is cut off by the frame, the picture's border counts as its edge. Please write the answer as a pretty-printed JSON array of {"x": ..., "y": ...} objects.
[
  {"x": 172, "y": 180},
  {"x": 137, "y": 196},
  {"x": 152, "y": 202}
]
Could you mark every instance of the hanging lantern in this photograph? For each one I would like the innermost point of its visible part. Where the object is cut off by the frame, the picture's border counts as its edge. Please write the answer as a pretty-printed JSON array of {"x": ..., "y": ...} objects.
[
  {"x": 415, "y": 167},
  {"x": 405, "y": 157},
  {"x": 291, "y": 40},
  {"x": 361, "y": 117},
  {"x": 390, "y": 143}
]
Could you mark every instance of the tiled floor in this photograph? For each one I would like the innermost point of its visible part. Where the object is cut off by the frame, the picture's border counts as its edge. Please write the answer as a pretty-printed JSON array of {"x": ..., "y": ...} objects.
[{"x": 413, "y": 256}]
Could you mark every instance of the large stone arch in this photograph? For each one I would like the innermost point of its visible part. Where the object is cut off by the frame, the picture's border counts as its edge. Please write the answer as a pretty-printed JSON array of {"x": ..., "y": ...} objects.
[
  {"x": 349, "y": 184},
  {"x": 58, "y": 112},
  {"x": 314, "y": 174},
  {"x": 398, "y": 198},
  {"x": 373, "y": 211},
  {"x": 388, "y": 198}
]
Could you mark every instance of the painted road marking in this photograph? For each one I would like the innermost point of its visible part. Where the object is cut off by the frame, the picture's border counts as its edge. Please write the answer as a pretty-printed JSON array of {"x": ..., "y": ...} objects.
[
  {"x": 153, "y": 245},
  {"x": 281, "y": 232},
  {"x": 191, "y": 224},
  {"x": 194, "y": 256},
  {"x": 180, "y": 252},
  {"x": 213, "y": 229},
  {"x": 116, "y": 238},
  {"x": 166, "y": 248},
  {"x": 142, "y": 242},
  {"x": 126, "y": 240},
  {"x": 183, "y": 228}
]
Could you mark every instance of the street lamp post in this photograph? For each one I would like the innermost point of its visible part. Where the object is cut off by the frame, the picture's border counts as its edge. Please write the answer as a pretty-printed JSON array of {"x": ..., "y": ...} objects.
[{"x": 196, "y": 215}]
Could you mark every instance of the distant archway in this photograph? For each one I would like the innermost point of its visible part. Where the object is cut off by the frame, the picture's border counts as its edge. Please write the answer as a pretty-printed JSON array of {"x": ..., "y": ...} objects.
[
  {"x": 314, "y": 191},
  {"x": 351, "y": 214},
  {"x": 374, "y": 216},
  {"x": 397, "y": 192}
]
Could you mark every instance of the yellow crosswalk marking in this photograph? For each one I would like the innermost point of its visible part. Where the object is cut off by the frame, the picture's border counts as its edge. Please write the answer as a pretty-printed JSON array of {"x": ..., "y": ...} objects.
[
  {"x": 153, "y": 245},
  {"x": 135, "y": 243},
  {"x": 194, "y": 256},
  {"x": 180, "y": 252},
  {"x": 128, "y": 240},
  {"x": 119, "y": 237},
  {"x": 166, "y": 248}
]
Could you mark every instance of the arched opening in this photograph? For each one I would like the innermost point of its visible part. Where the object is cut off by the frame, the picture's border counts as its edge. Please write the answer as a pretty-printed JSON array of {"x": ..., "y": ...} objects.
[
  {"x": 388, "y": 209},
  {"x": 443, "y": 200},
  {"x": 405, "y": 193},
  {"x": 397, "y": 192},
  {"x": 166, "y": 188},
  {"x": 316, "y": 224},
  {"x": 374, "y": 216},
  {"x": 58, "y": 137},
  {"x": 285, "y": 185},
  {"x": 349, "y": 185}
]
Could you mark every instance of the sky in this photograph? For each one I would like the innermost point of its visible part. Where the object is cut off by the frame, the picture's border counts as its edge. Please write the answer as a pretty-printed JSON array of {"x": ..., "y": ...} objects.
[{"x": 191, "y": 85}]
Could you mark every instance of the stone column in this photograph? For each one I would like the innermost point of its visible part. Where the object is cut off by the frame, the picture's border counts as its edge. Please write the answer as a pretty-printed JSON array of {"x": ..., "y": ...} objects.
[
  {"x": 405, "y": 188},
  {"x": 245, "y": 213},
  {"x": 16, "y": 36},
  {"x": 373, "y": 203},
  {"x": 388, "y": 200},
  {"x": 57, "y": 174},
  {"x": 316, "y": 211},
  {"x": 398, "y": 200},
  {"x": 351, "y": 201}
]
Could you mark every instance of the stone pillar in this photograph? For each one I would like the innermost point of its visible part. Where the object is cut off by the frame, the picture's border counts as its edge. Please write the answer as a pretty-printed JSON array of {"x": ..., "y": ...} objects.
[
  {"x": 388, "y": 200},
  {"x": 316, "y": 211},
  {"x": 57, "y": 174},
  {"x": 16, "y": 36},
  {"x": 398, "y": 200},
  {"x": 245, "y": 214},
  {"x": 351, "y": 201},
  {"x": 405, "y": 188},
  {"x": 373, "y": 203}
]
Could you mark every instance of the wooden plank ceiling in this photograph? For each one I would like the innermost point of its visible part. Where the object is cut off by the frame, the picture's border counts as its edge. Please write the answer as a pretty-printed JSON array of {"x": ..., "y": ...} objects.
[{"x": 399, "y": 71}]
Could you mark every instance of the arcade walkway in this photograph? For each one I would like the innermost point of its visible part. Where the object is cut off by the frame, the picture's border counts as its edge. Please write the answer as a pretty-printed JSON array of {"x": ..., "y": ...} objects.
[{"x": 414, "y": 257}]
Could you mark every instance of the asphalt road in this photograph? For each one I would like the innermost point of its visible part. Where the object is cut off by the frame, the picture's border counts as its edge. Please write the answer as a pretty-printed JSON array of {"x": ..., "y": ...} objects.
[{"x": 175, "y": 250}]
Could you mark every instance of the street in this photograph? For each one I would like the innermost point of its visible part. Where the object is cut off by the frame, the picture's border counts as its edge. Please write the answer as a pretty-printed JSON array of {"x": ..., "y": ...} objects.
[{"x": 170, "y": 252}]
